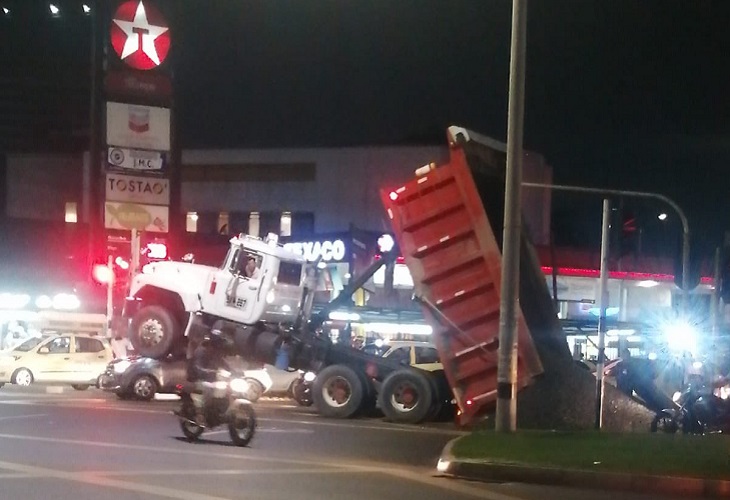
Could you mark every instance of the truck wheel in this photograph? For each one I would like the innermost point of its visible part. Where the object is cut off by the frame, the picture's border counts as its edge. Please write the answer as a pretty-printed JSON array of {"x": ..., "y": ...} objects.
[
  {"x": 338, "y": 392},
  {"x": 153, "y": 332},
  {"x": 406, "y": 396}
]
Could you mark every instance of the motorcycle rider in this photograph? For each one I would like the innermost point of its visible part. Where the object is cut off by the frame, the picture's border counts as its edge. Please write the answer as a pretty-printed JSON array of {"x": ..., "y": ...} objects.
[{"x": 204, "y": 361}]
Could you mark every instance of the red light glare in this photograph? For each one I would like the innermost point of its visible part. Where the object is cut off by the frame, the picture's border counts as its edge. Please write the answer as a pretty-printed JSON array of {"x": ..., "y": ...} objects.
[
  {"x": 123, "y": 264},
  {"x": 469, "y": 402},
  {"x": 393, "y": 195},
  {"x": 102, "y": 274}
]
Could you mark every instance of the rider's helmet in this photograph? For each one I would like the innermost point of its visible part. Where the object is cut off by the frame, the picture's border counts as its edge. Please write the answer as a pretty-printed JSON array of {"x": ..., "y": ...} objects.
[{"x": 217, "y": 340}]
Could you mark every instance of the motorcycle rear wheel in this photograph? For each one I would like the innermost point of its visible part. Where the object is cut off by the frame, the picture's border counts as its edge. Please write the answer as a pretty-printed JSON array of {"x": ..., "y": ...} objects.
[{"x": 242, "y": 425}]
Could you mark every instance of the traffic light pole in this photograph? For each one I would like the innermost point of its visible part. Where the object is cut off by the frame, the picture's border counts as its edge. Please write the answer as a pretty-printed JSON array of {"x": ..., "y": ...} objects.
[{"x": 639, "y": 194}]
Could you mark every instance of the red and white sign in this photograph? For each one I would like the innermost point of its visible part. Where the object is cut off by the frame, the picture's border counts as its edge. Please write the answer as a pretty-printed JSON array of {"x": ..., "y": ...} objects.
[
  {"x": 136, "y": 126},
  {"x": 137, "y": 189},
  {"x": 140, "y": 35}
]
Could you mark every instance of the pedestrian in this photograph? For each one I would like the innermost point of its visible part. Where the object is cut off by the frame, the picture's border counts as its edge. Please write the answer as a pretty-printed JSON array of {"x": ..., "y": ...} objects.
[{"x": 120, "y": 346}]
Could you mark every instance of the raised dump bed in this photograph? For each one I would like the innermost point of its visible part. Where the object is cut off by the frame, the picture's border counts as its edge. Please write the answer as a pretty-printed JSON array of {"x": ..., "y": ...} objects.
[{"x": 449, "y": 246}]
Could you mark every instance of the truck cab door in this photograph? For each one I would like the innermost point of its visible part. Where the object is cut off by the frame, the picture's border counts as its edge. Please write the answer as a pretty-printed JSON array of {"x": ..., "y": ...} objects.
[{"x": 237, "y": 291}]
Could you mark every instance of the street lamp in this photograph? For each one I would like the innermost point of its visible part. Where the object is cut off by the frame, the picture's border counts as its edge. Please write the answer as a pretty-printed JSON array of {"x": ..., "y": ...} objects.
[
  {"x": 55, "y": 11},
  {"x": 662, "y": 216}
]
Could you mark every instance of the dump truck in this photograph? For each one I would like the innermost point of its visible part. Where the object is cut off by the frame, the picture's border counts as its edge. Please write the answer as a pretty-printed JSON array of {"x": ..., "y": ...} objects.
[{"x": 446, "y": 222}]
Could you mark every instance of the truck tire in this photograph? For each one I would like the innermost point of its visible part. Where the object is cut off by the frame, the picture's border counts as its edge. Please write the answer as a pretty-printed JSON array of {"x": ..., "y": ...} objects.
[
  {"x": 338, "y": 392},
  {"x": 153, "y": 332},
  {"x": 406, "y": 396}
]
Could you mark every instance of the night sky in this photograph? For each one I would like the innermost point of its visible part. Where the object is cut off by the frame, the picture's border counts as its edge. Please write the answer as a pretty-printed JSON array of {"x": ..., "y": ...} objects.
[{"x": 621, "y": 94}]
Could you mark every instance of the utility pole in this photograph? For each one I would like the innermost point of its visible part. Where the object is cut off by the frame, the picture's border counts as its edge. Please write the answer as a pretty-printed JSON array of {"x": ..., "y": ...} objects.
[
  {"x": 93, "y": 210},
  {"x": 603, "y": 305},
  {"x": 506, "y": 416}
]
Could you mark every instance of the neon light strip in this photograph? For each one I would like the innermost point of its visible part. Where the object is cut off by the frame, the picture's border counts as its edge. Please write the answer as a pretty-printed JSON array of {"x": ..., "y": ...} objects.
[{"x": 619, "y": 275}]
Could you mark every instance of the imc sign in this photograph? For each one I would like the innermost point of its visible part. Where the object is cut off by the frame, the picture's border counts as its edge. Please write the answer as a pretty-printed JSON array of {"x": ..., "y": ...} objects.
[
  {"x": 129, "y": 216},
  {"x": 328, "y": 250},
  {"x": 136, "y": 161},
  {"x": 136, "y": 126},
  {"x": 130, "y": 188},
  {"x": 140, "y": 35}
]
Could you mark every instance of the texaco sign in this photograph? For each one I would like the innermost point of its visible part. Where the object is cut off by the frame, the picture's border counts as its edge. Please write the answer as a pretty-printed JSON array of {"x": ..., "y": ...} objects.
[{"x": 140, "y": 35}]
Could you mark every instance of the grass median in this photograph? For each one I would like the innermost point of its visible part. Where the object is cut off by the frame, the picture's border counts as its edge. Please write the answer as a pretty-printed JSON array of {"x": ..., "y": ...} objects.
[{"x": 650, "y": 454}]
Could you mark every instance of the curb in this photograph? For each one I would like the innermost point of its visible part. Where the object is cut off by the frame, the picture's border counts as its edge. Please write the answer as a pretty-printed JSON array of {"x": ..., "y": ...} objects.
[{"x": 491, "y": 471}]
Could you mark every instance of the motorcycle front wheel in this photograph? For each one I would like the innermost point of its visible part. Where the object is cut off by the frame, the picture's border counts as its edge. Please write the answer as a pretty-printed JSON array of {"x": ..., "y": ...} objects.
[
  {"x": 242, "y": 425},
  {"x": 189, "y": 428}
]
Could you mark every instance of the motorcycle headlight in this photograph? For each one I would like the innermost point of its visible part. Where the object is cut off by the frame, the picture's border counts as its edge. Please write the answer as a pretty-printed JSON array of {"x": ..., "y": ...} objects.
[
  {"x": 122, "y": 366},
  {"x": 239, "y": 385},
  {"x": 676, "y": 396},
  {"x": 309, "y": 377}
]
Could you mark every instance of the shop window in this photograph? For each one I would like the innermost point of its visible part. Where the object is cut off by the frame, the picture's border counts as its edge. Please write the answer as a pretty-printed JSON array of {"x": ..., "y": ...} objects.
[
  {"x": 223, "y": 223},
  {"x": 191, "y": 222},
  {"x": 254, "y": 222},
  {"x": 285, "y": 224},
  {"x": 71, "y": 212}
]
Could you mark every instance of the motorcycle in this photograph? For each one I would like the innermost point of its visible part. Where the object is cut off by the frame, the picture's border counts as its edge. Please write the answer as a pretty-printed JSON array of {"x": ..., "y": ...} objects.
[
  {"x": 302, "y": 388},
  {"x": 698, "y": 409},
  {"x": 226, "y": 406}
]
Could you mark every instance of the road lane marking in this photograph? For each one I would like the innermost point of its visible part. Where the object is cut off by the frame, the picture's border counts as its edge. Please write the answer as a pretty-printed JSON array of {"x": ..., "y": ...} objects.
[
  {"x": 24, "y": 416},
  {"x": 392, "y": 427},
  {"x": 389, "y": 469},
  {"x": 228, "y": 472},
  {"x": 85, "y": 477}
]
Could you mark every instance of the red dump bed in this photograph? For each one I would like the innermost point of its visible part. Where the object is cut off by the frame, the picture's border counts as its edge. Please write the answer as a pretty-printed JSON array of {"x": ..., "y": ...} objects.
[{"x": 447, "y": 241}]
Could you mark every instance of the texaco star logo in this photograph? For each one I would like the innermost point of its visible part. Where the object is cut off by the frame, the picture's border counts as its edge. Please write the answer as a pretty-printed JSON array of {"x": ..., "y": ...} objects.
[{"x": 139, "y": 35}]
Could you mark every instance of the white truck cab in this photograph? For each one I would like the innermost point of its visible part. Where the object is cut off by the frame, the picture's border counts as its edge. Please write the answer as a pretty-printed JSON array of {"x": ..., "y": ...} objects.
[{"x": 258, "y": 282}]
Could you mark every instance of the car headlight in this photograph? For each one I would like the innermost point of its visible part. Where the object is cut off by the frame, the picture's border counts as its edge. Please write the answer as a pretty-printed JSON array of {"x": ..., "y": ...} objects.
[
  {"x": 122, "y": 366},
  {"x": 66, "y": 302},
  {"x": 220, "y": 385},
  {"x": 309, "y": 377},
  {"x": 239, "y": 385}
]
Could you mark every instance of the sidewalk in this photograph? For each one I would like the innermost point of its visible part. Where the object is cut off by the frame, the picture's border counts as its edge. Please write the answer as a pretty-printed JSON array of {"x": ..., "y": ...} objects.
[{"x": 495, "y": 471}]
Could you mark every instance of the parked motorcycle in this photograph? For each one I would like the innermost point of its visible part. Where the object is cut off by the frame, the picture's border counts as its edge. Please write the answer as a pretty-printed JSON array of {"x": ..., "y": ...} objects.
[
  {"x": 698, "y": 409},
  {"x": 302, "y": 388},
  {"x": 226, "y": 406}
]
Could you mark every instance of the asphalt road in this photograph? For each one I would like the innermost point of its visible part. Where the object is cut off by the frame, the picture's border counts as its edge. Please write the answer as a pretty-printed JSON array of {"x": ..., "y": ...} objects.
[{"x": 84, "y": 445}]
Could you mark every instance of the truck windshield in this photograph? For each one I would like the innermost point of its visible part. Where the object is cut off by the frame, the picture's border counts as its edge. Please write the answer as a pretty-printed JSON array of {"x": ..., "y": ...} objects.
[{"x": 290, "y": 273}]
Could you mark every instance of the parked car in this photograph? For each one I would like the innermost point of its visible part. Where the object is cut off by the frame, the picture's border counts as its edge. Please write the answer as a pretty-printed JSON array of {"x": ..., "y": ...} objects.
[
  {"x": 282, "y": 380},
  {"x": 141, "y": 378},
  {"x": 66, "y": 358},
  {"x": 422, "y": 355}
]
